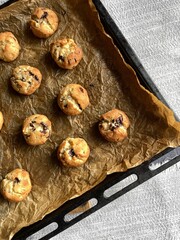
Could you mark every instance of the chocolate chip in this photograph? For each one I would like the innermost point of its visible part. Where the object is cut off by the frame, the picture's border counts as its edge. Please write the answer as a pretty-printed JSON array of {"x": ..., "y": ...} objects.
[
  {"x": 16, "y": 180},
  {"x": 75, "y": 60},
  {"x": 65, "y": 105},
  {"x": 112, "y": 127},
  {"x": 91, "y": 85},
  {"x": 44, "y": 15},
  {"x": 61, "y": 58},
  {"x": 79, "y": 106},
  {"x": 32, "y": 126},
  {"x": 36, "y": 78},
  {"x": 33, "y": 75},
  {"x": 72, "y": 153},
  {"x": 23, "y": 79},
  {"x": 119, "y": 120},
  {"x": 45, "y": 127},
  {"x": 116, "y": 123},
  {"x": 81, "y": 89}
]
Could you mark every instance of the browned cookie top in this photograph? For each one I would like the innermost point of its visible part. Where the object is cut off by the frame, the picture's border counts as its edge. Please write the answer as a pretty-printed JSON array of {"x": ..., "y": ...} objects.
[
  {"x": 26, "y": 79},
  {"x": 16, "y": 185},
  {"x": 36, "y": 129},
  {"x": 44, "y": 22},
  {"x": 66, "y": 53},
  {"x": 9, "y": 47},
  {"x": 113, "y": 125}
]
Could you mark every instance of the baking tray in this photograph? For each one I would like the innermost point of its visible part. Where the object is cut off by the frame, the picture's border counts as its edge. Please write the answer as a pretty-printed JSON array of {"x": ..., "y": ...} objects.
[{"x": 144, "y": 172}]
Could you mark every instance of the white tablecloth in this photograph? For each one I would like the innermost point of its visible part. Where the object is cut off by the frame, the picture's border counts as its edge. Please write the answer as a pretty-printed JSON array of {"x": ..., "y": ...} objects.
[{"x": 152, "y": 210}]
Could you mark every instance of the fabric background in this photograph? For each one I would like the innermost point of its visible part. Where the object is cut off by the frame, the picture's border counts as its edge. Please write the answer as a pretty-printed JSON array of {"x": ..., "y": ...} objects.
[{"x": 152, "y": 210}]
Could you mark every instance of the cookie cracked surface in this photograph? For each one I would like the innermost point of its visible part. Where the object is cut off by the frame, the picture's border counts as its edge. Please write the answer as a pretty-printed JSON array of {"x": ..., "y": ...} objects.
[
  {"x": 36, "y": 129},
  {"x": 113, "y": 125},
  {"x": 16, "y": 185},
  {"x": 9, "y": 47},
  {"x": 44, "y": 22},
  {"x": 66, "y": 53},
  {"x": 73, "y": 152},
  {"x": 73, "y": 99},
  {"x": 26, "y": 79}
]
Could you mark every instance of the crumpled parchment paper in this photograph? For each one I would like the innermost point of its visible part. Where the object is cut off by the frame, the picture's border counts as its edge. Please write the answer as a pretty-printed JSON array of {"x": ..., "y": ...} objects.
[{"x": 110, "y": 82}]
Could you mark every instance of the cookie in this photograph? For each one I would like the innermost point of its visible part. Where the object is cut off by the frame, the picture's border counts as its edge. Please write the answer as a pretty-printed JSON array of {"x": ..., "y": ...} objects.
[
  {"x": 26, "y": 79},
  {"x": 9, "y": 47},
  {"x": 1, "y": 120},
  {"x": 113, "y": 125},
  {"x": 66, "y": 53},
  {"x": 16, "y": 185},
  {"x": 36, "y": 129},
  {"x": 73, "y": 152},
  {"x": 73, "y": 99},
  {"x": 44, "y": 22}
]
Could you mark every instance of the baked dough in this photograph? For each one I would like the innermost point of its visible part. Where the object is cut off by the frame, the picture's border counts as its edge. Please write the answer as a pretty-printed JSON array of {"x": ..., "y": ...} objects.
[
  {"x": 73, "y": 152},
  {"x": 36, "y": 129},
  {"x": 44, "y": 22},
  {"x": 66, "y": 53},
  {"x": 26, "y": 79},
  {"x": 16, "y": 185},
  {"x": 73, "y": 99},
  {"x": 113, "y": 125},
  {"x": 9, "y": 47}
]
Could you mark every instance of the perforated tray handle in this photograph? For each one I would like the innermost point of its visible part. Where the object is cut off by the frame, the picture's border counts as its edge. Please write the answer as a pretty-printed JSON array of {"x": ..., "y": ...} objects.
[{"x": 143, "y": 172}]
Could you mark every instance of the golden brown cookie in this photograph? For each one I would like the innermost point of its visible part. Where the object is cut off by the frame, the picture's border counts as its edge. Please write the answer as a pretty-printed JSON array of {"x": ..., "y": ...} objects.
[
  {"x": 73, "y": 152},
  {"x": 16, "y": 185},
  {"x": 9, "y": 47},
  {"x": 73, "y": 99},
  {"x": 66, "y": 53},
  {"x": 26, "y": 79},
  {"x": 1, "y": 120},
  {"x": 36, "y": 129},
  {"x": 113, "y": 125},
  {"x": 44, "y": 22}
]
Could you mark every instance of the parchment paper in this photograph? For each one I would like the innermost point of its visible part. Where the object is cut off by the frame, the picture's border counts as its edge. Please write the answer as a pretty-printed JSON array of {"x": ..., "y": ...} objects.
[{"x": 110, "y": 82}]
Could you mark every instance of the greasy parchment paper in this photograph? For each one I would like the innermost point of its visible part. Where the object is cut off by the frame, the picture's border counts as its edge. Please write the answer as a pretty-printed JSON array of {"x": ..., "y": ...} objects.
[{"x": 110, "y": 82}]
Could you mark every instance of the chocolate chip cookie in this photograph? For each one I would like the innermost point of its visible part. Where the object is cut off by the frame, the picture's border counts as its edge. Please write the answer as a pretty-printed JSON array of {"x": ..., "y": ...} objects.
[
  {"x": 16, "y": 185},
  {"x": 44, "y": 22},
  {"x": 73, "y": 152},
  {"x": 1, "y": 120},
  {"x": 113, "y": 125},
  {"x": 9, "y": 47},
  {"x": 73, "y": 99},
  {"x": 66, "y": 53},
  {"x": 36, "y": 129},
  {"x": 26, "y": 79}
]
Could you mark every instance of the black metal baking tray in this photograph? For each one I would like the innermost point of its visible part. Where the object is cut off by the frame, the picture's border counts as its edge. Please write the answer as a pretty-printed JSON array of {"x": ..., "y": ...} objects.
[{"x": 144, "y": 172}]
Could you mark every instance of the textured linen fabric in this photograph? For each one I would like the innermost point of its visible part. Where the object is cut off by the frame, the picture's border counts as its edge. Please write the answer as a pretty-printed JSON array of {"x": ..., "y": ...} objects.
[
  {"x": 152, "y": 210},
  {"x": 152, "y": 29},
  {"x": 2, "y": 1}
]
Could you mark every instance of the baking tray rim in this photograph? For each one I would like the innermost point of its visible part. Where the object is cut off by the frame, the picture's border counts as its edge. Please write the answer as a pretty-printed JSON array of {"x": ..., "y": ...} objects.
[{"x": 127, "y": 52}]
